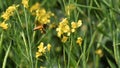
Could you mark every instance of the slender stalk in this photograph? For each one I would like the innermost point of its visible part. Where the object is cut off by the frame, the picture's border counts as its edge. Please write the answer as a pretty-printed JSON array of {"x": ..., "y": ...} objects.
[
  {"x": 69, "y": 54},
  {"x": 19, "y": 19},
  {"x": 28, "y": 36},
  {"x": 64, "y": 55},
  {"x": 6, "y": 55}
]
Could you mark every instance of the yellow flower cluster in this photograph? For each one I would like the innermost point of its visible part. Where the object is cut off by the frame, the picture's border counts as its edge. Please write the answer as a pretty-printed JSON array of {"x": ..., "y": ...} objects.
[
  {"x": 6, "y": 15},
  {"x": 3, "y": 25},
  {"x": 9, "y": 12},
  {"x": 42, "y": 16},
  {"x": 34, "y": 8},
  {"x": 79, "y": 40},
  {"x": 25, "y": 3},
  {"x": 75, "y": 25},
  {"x": 42, "y": 50},
  {"x": 64, "y": 28}
]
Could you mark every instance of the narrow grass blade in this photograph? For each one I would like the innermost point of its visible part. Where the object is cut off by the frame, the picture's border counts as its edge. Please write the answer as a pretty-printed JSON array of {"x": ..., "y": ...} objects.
[{"x": 6, "y": 55}]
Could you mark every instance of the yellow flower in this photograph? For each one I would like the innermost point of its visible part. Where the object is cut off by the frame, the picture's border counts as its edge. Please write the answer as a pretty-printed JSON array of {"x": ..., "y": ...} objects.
[
  {"x": 79, "y": 23},
  {"x": 63, "y": 28},
  {"x": 25, "y": 3},
  {"x": 64, "y": 39},
  {"x": 3, "y": 25},
  {"x": 48, "y": 47},
  {"x": 79, "y": 40},
  {"x": 99, "y": 52},
  {"x": 74, "y": 25},
  {"x": 9, "y": 12},
  {"x": 42, "y": 16},
  {"x": 41, "y": 48},
  {"x": 72, "y": 30},
  {"x": 38, "y": 54},
  {"x": 35, "y": 7}
]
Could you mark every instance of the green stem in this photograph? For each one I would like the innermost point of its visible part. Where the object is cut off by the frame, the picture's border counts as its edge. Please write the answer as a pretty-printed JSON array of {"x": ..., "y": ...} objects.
[
  {"x": 19, "y": 19},
  {"x": 90, "y": 45},
  {"x": 69, "y": 54},
  {"x": 28, "y": 36},
  {"x": 25, "y": 42},
  {"x": 1, "y": 39},
  {"x": 64, "y": 56},
  {"x": 84, "y": 55},
  {"x": 6, "y": 55}
]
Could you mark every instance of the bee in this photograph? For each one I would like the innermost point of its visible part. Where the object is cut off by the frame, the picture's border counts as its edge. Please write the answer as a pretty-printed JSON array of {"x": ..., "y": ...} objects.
[{"x": 40, "y": 27}]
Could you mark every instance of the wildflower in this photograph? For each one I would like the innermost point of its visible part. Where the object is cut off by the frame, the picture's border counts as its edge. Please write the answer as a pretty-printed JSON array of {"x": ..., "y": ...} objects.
[
  {"x": 38, "y": 54},
  {"x": 63, "y": 27},
  {"x": 79, "y": 40},
  {"x": 25, "y": 3},
  {"x": 48, "y": 47},
  {"x": 65, "y": 30},
  {"x": 99, "y": 52},
  {"x": 42, "y": 49},
  {"x": 75, "y": 25},
  {"x": 9, "y": 12},
  {"x": 42, "y": 16},
  {"x": 64, "y": 39},
  {"x": 3, "y": 25},
  {"x": 79, "y": 23},
  {"x": 34, "y": 8}
]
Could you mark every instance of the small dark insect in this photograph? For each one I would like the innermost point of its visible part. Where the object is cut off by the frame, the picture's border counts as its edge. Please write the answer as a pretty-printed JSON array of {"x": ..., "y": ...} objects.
[{"x": 40, "y": 27}]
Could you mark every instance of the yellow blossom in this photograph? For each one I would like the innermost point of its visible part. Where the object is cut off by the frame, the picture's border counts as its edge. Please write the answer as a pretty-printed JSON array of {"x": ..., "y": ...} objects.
[
  {"x": 72, "y": 30},
  {"x": 42, "y": 16},
  {"x": 79, "y": 40},
  {"x": 99, "y": 52},
  {"x": 38, "y": 54},
  {"x": 74, "y": 25},
  {"x": 48, "y": 47},
  {"x": 63, "y": 28},
  {"x": 41, "y": 48},
  {"x": 25, "y": 3},
  {"x": 79, "y": 23},
  {"x": 35, "y": 7},
  {"x": 9, "y": 12},
  {"x": 3, "y": 25},
  {"x": 64, "y": 39}
]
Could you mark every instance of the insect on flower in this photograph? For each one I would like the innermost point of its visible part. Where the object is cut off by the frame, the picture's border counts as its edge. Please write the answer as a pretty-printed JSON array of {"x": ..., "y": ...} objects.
[{"x": 40, "y": 27}]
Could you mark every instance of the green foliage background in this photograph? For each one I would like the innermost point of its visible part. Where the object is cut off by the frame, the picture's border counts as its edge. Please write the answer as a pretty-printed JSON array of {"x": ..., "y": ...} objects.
[{"x": 100, "y": 30}]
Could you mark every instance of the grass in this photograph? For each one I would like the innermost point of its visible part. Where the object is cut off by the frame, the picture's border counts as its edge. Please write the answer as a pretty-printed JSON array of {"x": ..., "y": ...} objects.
[{"x": 100, "y": 33}]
